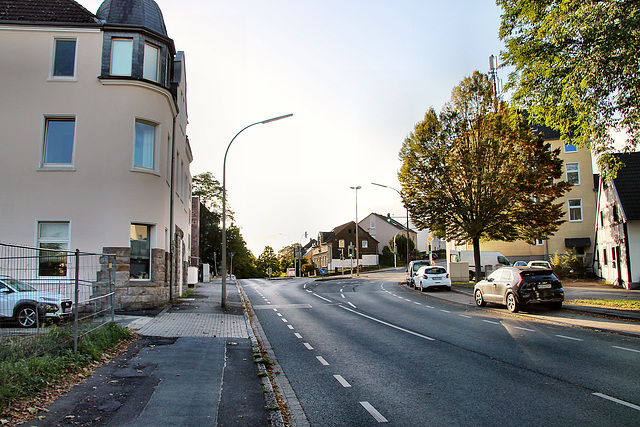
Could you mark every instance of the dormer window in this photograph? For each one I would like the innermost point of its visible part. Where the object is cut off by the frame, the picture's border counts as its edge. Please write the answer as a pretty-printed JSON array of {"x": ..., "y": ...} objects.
[
  {"x": 151, "y": 62},
  {"x": 121, "y": 57}
]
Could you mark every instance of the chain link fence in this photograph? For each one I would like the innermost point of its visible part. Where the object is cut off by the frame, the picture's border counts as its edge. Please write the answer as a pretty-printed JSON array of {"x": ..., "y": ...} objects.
[{"x": 49, "y": 295}]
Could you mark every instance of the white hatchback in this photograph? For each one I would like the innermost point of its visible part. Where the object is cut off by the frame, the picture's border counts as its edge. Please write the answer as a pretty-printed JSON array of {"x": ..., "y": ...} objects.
[{"x": 432, "y": 277}]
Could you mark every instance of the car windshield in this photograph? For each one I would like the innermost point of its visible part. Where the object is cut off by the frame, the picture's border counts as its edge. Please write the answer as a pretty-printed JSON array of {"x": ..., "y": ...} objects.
[
  {"x": 417, "y": 265},
  {"x": 435, "y": 270},
  {"x": 18, "y": 285}
]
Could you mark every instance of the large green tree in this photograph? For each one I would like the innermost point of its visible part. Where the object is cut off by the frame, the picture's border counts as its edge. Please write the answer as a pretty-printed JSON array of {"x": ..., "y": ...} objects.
[
  {"x": 401, "y": 248},
  {"x": 576, "y": 68},
  {"x": 477, "y": 171},
  {"x": 208, "y": 188},
  {"x": 268, "y": 259}
]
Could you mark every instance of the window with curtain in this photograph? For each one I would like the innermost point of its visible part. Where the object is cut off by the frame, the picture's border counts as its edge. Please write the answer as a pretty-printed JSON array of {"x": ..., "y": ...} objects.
[
  {"x": 54, "y": 237},
  {"x": 121, "y": 57},
  {"x": 151, "y": 56},
  {"x": 575, "y": 210},
  {"x": 144, "y": 145}
]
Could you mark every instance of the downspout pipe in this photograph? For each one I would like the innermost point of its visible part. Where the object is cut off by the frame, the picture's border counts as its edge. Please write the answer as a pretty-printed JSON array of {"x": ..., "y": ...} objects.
[{"x": 171, "y": 201}]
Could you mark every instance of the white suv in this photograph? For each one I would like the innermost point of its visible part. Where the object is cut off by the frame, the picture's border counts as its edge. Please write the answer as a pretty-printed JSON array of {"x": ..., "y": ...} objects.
[{"x": 28, "y": 306}]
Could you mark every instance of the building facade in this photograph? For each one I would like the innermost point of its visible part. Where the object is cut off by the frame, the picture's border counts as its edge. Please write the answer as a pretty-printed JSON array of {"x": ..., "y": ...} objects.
[
  {"x": 94, "y": 140},
  {"x": 577, "y": 232},
  {"x": 332, "y": 249},
  {"x": 617, "y": 258},
  {"x": 384, "y": 229}
]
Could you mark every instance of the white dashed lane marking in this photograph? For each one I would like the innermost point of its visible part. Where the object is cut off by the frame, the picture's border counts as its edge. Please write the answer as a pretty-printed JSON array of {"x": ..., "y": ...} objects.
[
  {"x": 342, "y": 381},
  {"x": 322, "y": 361},
  {"x": 374, "y": 412}
]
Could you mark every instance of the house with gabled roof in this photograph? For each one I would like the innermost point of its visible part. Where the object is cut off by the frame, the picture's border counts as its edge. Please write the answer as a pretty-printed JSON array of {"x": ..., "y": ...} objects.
[
  {"x": 332, "y": 248},
  {"x": 385, "y": 228},
  {"x": 617, "y": 257}
]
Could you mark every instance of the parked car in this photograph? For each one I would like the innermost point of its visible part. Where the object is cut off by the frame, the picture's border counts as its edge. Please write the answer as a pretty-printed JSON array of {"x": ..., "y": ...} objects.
[
  {"x": 28, "y": 306},
  {"x": 540, "y": 264},
  {"x": 516, "y": 287},
  {"x": 432, "y": 277},
  {"x": 520, "y": 264},
  {"x": 412, "y": 270}
]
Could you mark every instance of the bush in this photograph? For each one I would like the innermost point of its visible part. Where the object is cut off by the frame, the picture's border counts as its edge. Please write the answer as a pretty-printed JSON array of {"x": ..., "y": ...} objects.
[
  {"x": 569, "y": 265},
  {"x": 30, "y": 368}
]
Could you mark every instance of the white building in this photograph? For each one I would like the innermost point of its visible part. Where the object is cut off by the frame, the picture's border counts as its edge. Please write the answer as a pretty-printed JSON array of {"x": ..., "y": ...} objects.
[
  {"x": 617, "y": 258},
  {"x": 94, "y": 149}
]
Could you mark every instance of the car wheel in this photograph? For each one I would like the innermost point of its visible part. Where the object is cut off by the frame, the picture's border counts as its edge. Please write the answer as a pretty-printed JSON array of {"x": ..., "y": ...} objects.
[
  {"x": 480, "y": 302},
  {"x": 448, "y": 288},
  {"x": 556, "y": 305},
  {"x": 27, "y": 316},
  {"x": 512, "y": 303}
]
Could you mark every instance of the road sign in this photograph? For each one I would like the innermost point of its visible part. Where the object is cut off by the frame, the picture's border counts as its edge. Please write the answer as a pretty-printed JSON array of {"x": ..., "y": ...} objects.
[{"x": 323, "y": 271}]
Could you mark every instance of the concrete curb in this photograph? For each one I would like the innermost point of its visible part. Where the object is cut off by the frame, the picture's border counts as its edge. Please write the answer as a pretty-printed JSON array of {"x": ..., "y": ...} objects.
[{"x": 277, "y": 385}]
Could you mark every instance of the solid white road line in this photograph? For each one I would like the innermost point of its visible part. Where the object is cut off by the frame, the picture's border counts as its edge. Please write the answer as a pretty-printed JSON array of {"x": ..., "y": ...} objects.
[
  {"x": 627, "y": 349},
  {"x": 621, "y": 402},
  {"x": 321, "y": 359},
  {"x": 342, "y": 381},
  {"x": 524, "y": 329},
  {"x": 374, "y": 412},
  {"x": 323, "y": 298},
  {"x": 569, "y": 338},
  {"x": 389, "y": 324},
  {"x": 351, "y": 304},
  {"x": 308, "y": 346}
]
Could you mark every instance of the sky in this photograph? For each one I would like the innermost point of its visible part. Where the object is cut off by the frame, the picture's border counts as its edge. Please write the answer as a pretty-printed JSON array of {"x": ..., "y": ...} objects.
[{"x": 356, "y": 75}]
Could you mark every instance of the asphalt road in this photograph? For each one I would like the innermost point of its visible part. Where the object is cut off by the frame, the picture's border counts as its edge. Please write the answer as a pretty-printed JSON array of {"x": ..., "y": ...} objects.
[{"x": 363, "y": 351}]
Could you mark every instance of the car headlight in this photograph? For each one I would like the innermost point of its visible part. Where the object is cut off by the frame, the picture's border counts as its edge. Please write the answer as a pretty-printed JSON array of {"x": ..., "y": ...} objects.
[{"x": 50, "y": 308}]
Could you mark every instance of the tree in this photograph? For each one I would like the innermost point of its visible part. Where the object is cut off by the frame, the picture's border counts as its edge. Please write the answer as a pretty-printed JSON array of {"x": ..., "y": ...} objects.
[
  {"x": 244, "y": 262},
  {"x": 401, "y": 247},
  {"x": 266, "y": 260},
  {"x": 576, "y": 68},
  {"x": 477, "y": 171},
  {"x": 209, "y": 189}
]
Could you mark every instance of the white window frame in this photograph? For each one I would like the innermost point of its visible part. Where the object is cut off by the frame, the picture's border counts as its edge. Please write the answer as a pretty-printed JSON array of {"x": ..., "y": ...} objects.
[
  {"x": 538, "y": 242},
  {"x": 63, "y": 241},
  {"x": 44, "y": 165},
  {"x": 151, "y": 229},
  {"x": 122, "y": 67},
  {"x": 575, "y": 171},
  {"x": 151, "y": 71},
  {"x": 54, "y": 49},
  {"x": 573, "y": 149},
  {"x": 365, "y": 244},
  {"x": 154, "y": 152},
  {"x": 574, "y": 208}
]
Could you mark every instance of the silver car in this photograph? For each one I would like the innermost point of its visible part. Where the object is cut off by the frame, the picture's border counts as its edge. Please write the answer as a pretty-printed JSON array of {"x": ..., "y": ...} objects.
[
  {"x": 28, "y": 306},
  {"x": 517, "y": 286}
]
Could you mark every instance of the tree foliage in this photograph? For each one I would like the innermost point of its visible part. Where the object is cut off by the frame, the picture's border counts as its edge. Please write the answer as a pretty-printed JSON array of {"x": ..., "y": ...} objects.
[
  {"x": 209, "y": 189},
  {"x": 576, "y": 68},
  {"x": 401, "y": 248},
  {"x": 476, "y": 171},
  {"x": 268, "y": 259}
]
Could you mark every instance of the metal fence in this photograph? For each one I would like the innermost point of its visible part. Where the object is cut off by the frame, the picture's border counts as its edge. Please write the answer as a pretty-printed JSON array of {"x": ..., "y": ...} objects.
[{"x": 50, "y": 291}]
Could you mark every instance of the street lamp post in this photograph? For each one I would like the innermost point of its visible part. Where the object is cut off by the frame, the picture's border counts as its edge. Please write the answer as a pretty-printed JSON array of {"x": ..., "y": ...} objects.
[
  {"x": 357, "y": 241},
  {"x": 407, "y": 209},
  {"x": 223, "y": 300}
]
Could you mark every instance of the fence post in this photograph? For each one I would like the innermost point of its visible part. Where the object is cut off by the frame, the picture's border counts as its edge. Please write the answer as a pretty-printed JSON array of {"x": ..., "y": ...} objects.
[
  {"x": 75, "y": 302},
  {"x": 112, "y": 288}
]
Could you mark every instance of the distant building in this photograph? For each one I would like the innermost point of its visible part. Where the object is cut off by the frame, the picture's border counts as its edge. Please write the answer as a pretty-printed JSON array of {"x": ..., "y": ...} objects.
[
  {"x": 331, "y": 250},
  {"x": 618, "y": 226},
  {"x": 94, "y": 145},
  {"x": 384, "y": 228},
  {"x": 577, "y": 232}
]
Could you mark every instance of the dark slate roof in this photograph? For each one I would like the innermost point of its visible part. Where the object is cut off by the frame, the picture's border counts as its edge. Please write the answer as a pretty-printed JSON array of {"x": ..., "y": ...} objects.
[
  {"x": 139, "y": 13},
  {"x": 628, "y": 184},
  {"x": 393, "y": 222},
  {"x": 45, "y": 11}
]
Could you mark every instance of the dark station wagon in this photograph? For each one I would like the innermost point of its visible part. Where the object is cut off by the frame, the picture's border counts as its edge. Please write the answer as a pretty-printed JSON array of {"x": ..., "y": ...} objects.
[{"x": 517, "y": 286}]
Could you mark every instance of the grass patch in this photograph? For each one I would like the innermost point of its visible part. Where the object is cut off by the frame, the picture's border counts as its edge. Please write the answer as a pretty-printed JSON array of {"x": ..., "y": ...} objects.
[
  {"x": 607, "y": 303},
  {"x": 28, "y": 369}
]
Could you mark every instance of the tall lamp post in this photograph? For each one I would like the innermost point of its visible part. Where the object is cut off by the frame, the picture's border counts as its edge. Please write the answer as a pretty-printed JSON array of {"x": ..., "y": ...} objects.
[
  {"x": 223, "y": 301},
  {"x": 357, "y": 241},
  {"x": 385, "y": 186}
]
